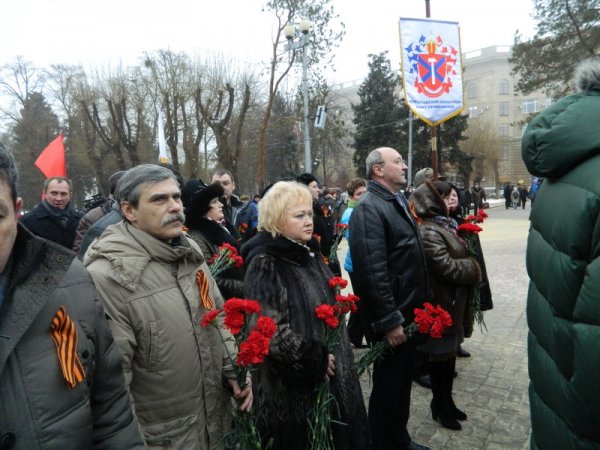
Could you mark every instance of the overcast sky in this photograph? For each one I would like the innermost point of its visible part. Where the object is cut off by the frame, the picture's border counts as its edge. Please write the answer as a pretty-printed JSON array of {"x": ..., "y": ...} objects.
[{"x": 99, "y": 33}]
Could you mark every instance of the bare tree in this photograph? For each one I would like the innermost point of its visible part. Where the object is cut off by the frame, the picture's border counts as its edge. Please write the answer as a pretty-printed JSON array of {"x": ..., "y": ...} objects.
[
  {"x": 287, "y": 12},
  {"x": 18, "y": 80},
  {"x": 116, "y": 109},
  {"x": 225, "y": 113},
  {"x": 483, "y": 144}
]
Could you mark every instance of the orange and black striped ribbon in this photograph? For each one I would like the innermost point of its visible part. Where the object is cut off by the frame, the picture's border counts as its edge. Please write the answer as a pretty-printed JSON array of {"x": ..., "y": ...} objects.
[
  {"x": 202, "y": 282},
  {"x": 64, "y": 335}
]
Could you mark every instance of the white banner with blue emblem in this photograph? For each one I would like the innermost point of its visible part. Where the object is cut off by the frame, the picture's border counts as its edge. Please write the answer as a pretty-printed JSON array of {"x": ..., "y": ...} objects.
[{"x": 431, "y": 68}]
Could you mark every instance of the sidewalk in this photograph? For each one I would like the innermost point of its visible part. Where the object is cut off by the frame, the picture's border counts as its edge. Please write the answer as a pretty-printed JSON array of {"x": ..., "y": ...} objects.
[{"x": 492, "y": 384}]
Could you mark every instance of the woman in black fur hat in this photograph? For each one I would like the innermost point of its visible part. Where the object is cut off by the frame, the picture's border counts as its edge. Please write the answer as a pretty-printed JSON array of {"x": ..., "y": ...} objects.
[{"x": 204, "y": 219}]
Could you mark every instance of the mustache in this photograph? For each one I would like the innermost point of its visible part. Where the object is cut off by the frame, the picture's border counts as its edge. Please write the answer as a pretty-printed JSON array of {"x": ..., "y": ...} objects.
[{"x": 175, "y": 217}]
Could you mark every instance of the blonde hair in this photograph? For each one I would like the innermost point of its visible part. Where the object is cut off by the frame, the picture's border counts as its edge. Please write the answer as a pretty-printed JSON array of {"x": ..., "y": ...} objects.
[{"x": 273, "y": 206}]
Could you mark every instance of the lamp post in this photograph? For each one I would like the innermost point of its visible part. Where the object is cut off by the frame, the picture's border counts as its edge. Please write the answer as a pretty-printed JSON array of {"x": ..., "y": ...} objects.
[{"x": 302, "y": 43}]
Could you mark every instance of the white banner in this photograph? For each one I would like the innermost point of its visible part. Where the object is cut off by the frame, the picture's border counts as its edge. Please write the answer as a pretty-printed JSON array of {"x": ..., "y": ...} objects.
[
  {"x": 431, "y": 68},
  {"x": 162, "y": 142}
]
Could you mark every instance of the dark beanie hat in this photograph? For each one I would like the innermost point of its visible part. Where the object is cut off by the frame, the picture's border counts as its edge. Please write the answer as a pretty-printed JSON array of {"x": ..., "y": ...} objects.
[
  {"x": 306, "y": 178},
  {"x": 199, "y": 204}
]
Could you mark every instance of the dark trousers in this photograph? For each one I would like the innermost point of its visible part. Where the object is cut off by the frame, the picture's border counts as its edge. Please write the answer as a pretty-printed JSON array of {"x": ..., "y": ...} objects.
[{"x": 389, "y": 404}]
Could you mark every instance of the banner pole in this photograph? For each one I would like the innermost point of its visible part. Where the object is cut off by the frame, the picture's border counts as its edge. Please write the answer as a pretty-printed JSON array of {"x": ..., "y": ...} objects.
[{"x": 434, "y": 157}]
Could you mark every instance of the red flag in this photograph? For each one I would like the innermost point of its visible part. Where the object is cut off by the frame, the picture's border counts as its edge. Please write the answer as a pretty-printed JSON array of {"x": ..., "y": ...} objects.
[{"x": 52, "y": 159}]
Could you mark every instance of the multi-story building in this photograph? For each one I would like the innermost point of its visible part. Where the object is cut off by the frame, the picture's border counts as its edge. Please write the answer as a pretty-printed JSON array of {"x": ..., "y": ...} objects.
[{"x": 497, "y": 116}]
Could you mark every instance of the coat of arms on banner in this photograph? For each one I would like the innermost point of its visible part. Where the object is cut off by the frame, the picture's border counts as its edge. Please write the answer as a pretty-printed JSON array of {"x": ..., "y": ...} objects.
[
  {"x": 431, "y": 68},
  {"x": 432, "y": 65}
]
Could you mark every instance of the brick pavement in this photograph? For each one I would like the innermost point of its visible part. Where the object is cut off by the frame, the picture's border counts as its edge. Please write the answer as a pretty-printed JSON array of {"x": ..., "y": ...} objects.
[{"x": 492, "y": 384}]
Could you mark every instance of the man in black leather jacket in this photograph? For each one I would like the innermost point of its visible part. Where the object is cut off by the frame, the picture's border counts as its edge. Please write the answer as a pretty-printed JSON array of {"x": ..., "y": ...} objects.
[{"x": 391, "y": 280}]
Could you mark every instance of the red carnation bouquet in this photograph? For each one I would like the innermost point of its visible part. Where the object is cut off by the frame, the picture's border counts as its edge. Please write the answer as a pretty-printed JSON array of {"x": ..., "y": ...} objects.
[
  {"x": 252, "y": 346},
  {"x": 226, "y": 256},
  {"x": 430, "y": 320},
  {"x": 333, "y": 317},
  {"x": 469, "y": 231},
  {"x": 339, "y": 235}
]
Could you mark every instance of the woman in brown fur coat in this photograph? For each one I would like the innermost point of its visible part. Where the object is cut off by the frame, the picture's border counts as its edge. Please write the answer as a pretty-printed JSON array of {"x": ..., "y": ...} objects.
[{"x": 451, "y": 274}]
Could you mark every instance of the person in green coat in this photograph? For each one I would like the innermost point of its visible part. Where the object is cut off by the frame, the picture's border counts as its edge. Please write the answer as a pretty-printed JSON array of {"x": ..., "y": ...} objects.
[{"x": 562, "y": 145}]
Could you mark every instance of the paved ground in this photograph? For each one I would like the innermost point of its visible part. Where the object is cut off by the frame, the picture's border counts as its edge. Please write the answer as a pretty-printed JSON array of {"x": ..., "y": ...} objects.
[{"x": 492, "y": 384}]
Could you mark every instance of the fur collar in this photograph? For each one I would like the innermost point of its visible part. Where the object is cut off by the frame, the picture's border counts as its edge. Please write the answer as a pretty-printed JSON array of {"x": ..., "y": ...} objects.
[{"x": 279, "y": 247}]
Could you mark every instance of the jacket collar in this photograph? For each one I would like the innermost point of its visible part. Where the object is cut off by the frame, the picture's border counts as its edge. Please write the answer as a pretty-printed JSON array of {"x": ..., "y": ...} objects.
[
  {"x": 389, "y": 196},
  {"x": 43, "y": 265},
  {"x": 130, "y": 250},
  {"x": 380, "y": 190},
  {"x": 280, "y": 247}
]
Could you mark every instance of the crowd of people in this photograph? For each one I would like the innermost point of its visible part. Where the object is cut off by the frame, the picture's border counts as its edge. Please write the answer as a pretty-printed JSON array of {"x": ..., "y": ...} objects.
[
  {"x": 101, "y": 336},
  {"x": 125, "y": 287}
]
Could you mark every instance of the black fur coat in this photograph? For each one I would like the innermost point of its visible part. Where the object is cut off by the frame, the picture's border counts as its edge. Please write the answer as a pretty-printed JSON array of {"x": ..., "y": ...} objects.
[
  {"x": 209, "y": 235},
  {"x": 289, "y": 281}
]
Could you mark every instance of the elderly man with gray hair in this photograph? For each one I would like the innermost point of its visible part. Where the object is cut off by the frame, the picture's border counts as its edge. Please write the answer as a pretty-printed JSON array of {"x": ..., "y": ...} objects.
[
  {"x": 156, "y": 288},
  {"x": 390, "y": 277}
]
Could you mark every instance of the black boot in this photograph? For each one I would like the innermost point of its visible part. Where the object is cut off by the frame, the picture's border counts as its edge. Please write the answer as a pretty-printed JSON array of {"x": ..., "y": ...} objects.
[
  {"x": 439, "y": 404},
  {"x": 450, "y": 371}
]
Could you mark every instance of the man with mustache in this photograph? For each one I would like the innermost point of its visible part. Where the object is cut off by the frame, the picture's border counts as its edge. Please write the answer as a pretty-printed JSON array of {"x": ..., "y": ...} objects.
[{"x": 156, "y": 288}]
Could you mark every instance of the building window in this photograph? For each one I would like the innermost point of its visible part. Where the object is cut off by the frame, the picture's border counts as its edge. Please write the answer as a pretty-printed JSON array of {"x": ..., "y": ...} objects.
[
  {"x": 504, "y": 152},
  {"x": 503, "y": 108},
  {"x": 472, "y": 91},
  {"x": 473, "y": 112},
  {"x": 529, "y": 106},
  {"x": 503, "y": 87},
  {"x": 503, "y": 130}
]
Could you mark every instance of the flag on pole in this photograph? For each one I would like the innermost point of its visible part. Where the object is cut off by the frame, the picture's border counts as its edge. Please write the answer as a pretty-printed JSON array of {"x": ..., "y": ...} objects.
[
  {"x": 51, "y": 161},
  {"x": 162, "y": 143},
  {"x": 431, "y": 68}
]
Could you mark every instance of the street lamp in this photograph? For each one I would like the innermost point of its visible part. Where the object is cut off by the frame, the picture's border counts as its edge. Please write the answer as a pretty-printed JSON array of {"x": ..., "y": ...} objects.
[{"x": 302, "y": 43}]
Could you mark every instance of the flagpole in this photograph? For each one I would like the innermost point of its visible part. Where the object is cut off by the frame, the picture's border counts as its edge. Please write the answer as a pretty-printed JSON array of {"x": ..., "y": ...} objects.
[{"x": 434, "y": 157}]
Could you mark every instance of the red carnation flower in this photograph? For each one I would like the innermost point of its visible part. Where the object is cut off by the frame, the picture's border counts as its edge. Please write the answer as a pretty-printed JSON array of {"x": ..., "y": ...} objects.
[
  {"x": 265, "y": 326},
  {"x": 338, "y": 281},
  {"x": 210, "y": 317},
  {"x": 470, "y": 227}
]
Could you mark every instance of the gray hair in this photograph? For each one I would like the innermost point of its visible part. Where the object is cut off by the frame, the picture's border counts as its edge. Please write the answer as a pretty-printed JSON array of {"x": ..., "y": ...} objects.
[
  {"x": 372, "y": 158},
  {"x": 8, "y": 172},
  {"x": 586, "y": 76},
  {"x": 135, "y": 180}
]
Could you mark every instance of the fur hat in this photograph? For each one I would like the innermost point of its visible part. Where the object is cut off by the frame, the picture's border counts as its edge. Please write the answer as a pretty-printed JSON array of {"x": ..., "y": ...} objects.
[
  {"x": 306, "y": 178},
  {"x": 427, "y": 200},
  {"x": 188, "y": 190},
  {"x": 422, "y": 175},
  {"x": 200, "y": 201}
]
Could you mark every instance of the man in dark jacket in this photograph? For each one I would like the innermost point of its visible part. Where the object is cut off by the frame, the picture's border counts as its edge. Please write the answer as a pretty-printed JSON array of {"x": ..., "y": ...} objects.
[
  {"x": 231, "y": 203},
  {"x": 390, "y": 277},
  {"x": 324, "y": 222},
  {"x": 562, "y": 145},
  {"x": 61, "y": 383},
  {"x": 54, "y": 219},
  {"x": 95, "y": 214}
]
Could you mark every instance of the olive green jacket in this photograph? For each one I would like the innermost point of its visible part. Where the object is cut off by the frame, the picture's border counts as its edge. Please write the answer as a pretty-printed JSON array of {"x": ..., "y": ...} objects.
[{"x": 173, "y": 366}]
